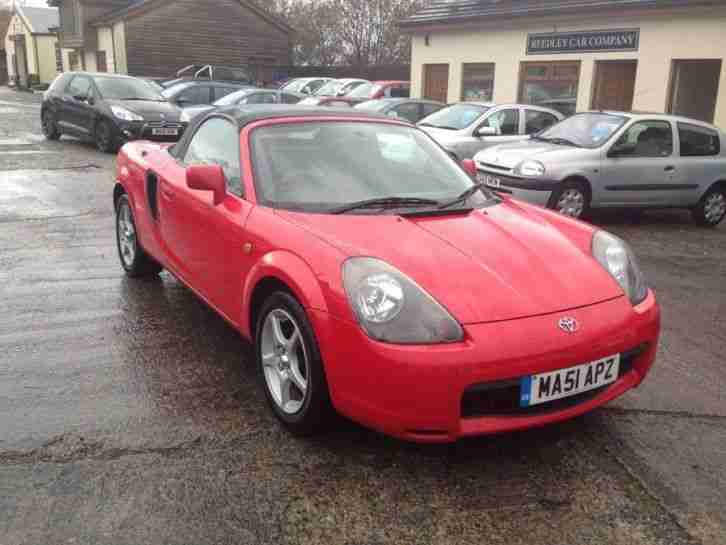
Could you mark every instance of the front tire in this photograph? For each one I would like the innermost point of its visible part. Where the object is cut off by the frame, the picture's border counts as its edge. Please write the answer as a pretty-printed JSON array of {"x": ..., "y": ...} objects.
[
  {"x": 135, "y": 261},
  {"x": 50, "y": 129},
  {"x": 572, "y": 199},
  {"x": 106, "y": 140},
  {"x": 711, "y": 209},
  {"x": 290, "y": 366}
]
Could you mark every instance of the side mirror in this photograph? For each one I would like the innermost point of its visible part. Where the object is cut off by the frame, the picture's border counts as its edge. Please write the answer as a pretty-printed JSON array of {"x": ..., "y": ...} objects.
[
  {"x": 80, "y": 98},
  {"x": 486, "y": 131},
  {"x": 470, "y": 166},
  {"x": 620, "y": 150},
  {"x": 208, "y": 178},
  {"x": 90, "y": 101}
]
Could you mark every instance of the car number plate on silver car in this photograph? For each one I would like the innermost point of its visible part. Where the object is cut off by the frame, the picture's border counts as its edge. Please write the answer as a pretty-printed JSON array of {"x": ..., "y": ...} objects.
[
  {"x": 165, "y": 132},
  {"x": 489, "y": 180},
  {"x": 544, "y": 387}
]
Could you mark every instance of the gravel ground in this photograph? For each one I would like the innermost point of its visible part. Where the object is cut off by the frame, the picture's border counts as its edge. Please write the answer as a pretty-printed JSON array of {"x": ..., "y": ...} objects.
[{"x": 129, "y": 411}]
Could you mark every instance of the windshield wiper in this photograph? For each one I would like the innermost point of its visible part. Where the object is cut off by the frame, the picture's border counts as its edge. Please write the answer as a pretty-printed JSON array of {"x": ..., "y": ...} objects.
[
  {"x": 540, "y": 138},
  {"x": 564, "y": 142},
  {"x": 144, "y": 99},
  {"x": 384, "y": 202},
  {"x": 464, "y": 196}
]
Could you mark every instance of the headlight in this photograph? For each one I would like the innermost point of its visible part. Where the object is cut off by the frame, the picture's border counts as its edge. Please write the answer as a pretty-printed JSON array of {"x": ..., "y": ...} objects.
[
  {"x": 125, "y": 115},
  {"x": 392, "y": 308},
  {"x": 531, "y": 168},
  {"x": 618, "y": 259}
]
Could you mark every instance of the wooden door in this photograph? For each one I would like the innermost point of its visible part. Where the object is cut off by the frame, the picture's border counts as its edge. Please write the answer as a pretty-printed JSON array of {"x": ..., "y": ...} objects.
[
  {"x": 436, "y": 82},
  {"x": 614, "y": 85}
]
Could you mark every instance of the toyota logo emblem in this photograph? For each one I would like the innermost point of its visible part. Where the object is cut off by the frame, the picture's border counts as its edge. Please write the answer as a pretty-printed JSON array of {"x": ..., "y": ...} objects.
[{"x": 569, "y": 325}]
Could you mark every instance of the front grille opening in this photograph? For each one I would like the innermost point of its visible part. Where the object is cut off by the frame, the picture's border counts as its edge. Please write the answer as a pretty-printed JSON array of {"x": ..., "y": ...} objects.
[
  {"x": 494, "y": 167},
  {"x": 501, "y": 398}
]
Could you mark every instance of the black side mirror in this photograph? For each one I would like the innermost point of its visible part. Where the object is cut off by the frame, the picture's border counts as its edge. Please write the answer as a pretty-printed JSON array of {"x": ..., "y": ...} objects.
[{"x": 621, "y": 149}]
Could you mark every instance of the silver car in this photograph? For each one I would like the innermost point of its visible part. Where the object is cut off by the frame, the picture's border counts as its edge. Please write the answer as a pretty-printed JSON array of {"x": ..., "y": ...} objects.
[
  {"x": 465, "y": 128},
  {"x": 613, "y": 159}
]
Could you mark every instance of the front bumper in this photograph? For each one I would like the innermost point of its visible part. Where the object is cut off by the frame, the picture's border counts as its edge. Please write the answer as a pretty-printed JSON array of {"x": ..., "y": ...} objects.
[
  {"x": 533, "y": 191},
  {"x": 417, "y": 392},
  {"x": 144, "y": 130}
]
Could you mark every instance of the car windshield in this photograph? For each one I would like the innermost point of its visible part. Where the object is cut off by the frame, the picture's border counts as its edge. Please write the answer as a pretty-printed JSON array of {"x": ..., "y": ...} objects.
[
  {"x": 587, "y": 130},
  {"x": 366, "y": 90},
  {"x": 323, "y": 166},
  {"x": 295, "y": 86},
  {"x": 233, "y": 98},
  {"x": 331, "y": 88},
  {"x": 174, "y": 89},
  {"x": 454, "y": 118},
  {"x": 126, "y": 89}
]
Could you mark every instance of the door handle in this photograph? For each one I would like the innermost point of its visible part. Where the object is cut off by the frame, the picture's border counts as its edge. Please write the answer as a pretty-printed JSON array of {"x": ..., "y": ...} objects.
[{"x": 670, "y": 168}]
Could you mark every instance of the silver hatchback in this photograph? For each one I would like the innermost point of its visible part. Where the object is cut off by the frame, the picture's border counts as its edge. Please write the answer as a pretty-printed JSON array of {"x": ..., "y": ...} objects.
[
  {"x": 613, "y": 159},
  {"x": 465, "y": 128}
]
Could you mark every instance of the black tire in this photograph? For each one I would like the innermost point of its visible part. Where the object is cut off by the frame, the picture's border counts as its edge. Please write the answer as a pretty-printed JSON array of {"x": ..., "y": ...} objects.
[
  {"x": 567, "y": 188},
  {"x": 50, "y": 129},
  {"x": 106, "y": 140},
  {"x": 704, "y": 214},
  {"x": 316, "y": 411},
  {"x": 134, "y": 260}
]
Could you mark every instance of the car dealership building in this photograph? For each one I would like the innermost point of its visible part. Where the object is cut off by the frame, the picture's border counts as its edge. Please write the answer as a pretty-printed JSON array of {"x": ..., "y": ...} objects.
[{"x": 574, "y": 55}]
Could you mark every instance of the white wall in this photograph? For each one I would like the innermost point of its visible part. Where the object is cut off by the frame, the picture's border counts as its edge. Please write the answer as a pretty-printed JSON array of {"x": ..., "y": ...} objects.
[
  {"x": 105, "y": 43},
  {"x": 664, "y": 36},
  {"x": 89, "y": 61},
  {"x": 119, "y": 40}
]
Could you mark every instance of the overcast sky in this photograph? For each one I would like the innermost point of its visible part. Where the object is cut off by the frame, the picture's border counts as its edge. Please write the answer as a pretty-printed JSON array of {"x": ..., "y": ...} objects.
[{"x": 39, "y": 3}]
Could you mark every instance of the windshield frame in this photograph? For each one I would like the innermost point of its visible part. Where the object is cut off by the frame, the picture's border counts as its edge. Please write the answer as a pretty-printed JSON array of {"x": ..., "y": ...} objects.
[
  {"x": 248, "y": 137},
  {"x": 142, "y": 84},
  {"x": 624, "y": 119}
]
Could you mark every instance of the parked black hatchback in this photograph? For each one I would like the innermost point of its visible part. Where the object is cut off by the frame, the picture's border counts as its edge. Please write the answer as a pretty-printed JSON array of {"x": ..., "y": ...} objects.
[{"x": 108, "y": 109}]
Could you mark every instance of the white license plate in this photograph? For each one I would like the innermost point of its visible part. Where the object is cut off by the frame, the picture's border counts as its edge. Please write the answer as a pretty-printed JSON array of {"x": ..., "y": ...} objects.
[
  {"x": 491, "y": 181},
  {"x": 165, "y": 132},
  {"x": 544, "y": 387}
]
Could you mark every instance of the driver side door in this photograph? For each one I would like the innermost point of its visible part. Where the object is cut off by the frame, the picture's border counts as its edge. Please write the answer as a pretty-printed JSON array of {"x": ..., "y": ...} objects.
[{"x": 209, "y": 238}]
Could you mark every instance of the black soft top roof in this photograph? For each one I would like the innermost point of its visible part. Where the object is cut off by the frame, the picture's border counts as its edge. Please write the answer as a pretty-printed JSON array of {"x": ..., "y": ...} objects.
[{"x": 245, "y": 115}]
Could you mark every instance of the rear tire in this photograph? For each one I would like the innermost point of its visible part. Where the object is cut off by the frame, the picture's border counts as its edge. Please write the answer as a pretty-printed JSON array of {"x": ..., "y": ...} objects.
[
  {"x": 711, "y": 209},
  {"x": 290, "y": 367},
  {"x": 106, "y": 140},
  {"x": 134, "y": 260},
  {"x": 572, "y": 199},
  {"x": 50, "y": 129}
]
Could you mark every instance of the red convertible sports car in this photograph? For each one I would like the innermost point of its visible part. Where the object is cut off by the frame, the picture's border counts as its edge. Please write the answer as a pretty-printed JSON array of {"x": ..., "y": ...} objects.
[{"x": 375, "y": 278}]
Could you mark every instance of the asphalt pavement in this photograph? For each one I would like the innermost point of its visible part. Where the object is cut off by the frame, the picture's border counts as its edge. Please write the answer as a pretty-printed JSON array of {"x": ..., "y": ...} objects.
[{"x": 130, "y": 413}]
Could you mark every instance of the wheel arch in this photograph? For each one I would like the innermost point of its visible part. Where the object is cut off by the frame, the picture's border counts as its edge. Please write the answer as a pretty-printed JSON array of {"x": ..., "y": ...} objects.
[
  {"x": 118, "y": 190},
  {"x": 279, "y": 271}
]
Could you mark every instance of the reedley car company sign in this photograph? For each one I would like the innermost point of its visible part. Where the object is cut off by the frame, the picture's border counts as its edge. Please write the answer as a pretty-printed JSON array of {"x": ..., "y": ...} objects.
[{"x": 589, "y": 40}]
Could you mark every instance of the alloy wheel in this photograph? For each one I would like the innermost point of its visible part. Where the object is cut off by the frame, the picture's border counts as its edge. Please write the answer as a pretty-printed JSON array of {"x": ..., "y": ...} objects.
[
  {"x": 284, "y": 361},
  {"x": 714, "y": 208},
  {"x": 571, "y": 203},
  {"x": 126, "y": 235}
]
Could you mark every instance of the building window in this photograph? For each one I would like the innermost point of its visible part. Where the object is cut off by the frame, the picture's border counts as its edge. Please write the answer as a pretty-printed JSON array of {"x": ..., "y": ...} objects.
[
  {"x": 74, "y": 61},
  {"x": 477, "y": 81},
  {"x": 550, "y": 84},
  {"x": 68, "y": 17},
  {"x": 58, "y": 58}
]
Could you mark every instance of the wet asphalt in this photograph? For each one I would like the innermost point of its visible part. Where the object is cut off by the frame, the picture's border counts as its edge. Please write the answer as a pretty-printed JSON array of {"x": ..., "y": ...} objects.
[{"x": 130, "y": 413}]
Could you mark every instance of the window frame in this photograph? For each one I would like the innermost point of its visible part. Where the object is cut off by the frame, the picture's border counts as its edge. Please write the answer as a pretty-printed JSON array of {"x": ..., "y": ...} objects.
[
  {"x": 494, "y": 111},
  {"x": 182, "y": 155},
  {"x": 628, "y": 127},
  {"x": 463, "y": 80},
  {"x": 680, "y": 124},
  {"x": 549, "y": 77},
  {"x": 539, "y": 111}
]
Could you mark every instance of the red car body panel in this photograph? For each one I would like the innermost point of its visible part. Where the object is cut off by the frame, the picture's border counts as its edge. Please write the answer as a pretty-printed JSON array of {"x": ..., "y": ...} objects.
[{"x": 507, "y": 273}]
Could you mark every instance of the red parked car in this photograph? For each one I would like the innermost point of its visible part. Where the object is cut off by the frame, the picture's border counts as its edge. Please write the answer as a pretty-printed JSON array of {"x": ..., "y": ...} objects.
[{"x": 376, "y": 278}]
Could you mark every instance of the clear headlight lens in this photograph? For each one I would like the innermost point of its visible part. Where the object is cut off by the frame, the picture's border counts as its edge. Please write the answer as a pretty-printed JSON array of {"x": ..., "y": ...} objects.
[
  {"x": 392, "y": 308},
  {"x": 124, "y": 114},
  {"x": 531, "y": 168},
  {"x": 618, "y": 259}
]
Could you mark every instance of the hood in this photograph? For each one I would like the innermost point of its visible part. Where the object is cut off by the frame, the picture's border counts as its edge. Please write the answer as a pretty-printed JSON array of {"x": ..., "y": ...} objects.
[
  {"x": 442, "y": 135},
  {"x": 150, "y": 110},
  {"x": 510, "y": 155},
  {"x": 187, "y": 114},
  {"x": 502, "y": 263}
]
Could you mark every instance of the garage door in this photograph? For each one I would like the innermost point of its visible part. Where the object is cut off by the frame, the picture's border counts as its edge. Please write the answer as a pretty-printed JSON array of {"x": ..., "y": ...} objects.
[{"x": 436, "y": 82}]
